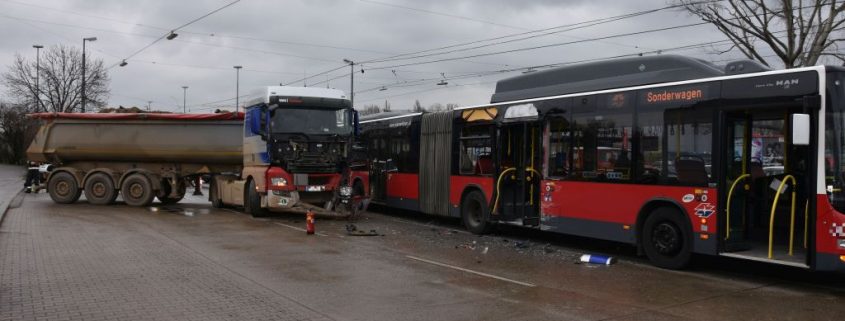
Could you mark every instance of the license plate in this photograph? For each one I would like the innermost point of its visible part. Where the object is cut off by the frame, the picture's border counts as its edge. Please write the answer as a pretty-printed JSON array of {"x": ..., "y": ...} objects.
[{"x": 314, "y": 188}]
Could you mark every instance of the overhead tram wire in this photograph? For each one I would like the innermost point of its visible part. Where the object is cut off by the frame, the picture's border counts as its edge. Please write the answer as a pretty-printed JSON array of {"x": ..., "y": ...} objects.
[
  {"x": 172, "y": 32},
  {"x": 593, "y": 21},
  {"x": 602, "y": 20}
]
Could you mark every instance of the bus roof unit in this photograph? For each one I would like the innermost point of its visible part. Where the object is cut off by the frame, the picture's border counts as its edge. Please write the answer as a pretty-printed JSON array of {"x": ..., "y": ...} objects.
[{"x": 601, "y": 75}]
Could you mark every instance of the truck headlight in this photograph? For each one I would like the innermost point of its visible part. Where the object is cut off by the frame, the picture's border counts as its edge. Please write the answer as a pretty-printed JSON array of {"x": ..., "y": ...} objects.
[
  {"x": 278, "y": 181},
  {"x": 345, "y": 191}
]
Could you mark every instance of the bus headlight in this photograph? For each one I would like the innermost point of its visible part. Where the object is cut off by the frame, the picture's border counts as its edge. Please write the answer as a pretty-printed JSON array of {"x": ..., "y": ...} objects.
[
  {"x": 278, "y": 182},
  {"x": 345, "y": 191}
]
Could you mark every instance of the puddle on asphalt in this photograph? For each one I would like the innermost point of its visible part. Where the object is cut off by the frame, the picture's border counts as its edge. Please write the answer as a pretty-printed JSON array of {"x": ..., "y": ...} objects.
[{"x": 184, "y": 211}]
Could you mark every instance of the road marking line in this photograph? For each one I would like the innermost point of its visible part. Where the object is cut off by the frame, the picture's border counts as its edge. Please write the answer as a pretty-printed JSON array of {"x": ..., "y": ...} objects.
[
  {"x": 471, "y": 271},
  {"x": 298, "y": 228}
]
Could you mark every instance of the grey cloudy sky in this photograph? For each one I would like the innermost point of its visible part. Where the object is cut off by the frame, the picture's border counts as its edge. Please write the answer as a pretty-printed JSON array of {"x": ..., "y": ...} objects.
[{"x": 281, "y": 41}]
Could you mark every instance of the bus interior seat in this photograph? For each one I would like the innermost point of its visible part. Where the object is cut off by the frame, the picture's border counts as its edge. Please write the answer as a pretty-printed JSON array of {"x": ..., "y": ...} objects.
[
  {"x": 484, "y": 165},
  {"x": 691, "y": 171},
  {"x": 466, "y": 164}
]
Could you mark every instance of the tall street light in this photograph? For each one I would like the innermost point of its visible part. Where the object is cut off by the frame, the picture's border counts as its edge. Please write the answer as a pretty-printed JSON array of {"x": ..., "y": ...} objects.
[
  {"x": 84, "y": 98},
  {"x": 351, "y": 81},
  {"x": 237, "y": 86},
  {"x": 37, "y": 74},
  {"x": 184, "y": 97}
]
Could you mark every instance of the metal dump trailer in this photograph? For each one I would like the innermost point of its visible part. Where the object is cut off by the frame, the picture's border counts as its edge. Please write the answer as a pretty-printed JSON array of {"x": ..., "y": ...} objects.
[{"x": 139, "y": 156}]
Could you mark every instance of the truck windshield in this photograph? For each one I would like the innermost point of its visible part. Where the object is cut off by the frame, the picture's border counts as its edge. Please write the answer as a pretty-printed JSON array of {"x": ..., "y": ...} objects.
[{"x": 311, "y": 121}]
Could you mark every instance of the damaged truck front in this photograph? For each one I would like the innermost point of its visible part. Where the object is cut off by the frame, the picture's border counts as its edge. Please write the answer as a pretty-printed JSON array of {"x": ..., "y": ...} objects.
[{"x": 296, "y": 151}]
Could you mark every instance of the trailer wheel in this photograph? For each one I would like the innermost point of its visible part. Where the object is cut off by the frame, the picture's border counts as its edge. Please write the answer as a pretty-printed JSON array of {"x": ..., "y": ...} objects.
[
  {"x": 99, "y": 189},
  {"x": 252, "y": 201},
  {"x": 164, "y": 194},
  {"x": 667, "y": 239},
  {"x": 474, "y": 213},
  {"x": 63, "y": 188},
  {"x": 137, "y": 190}
]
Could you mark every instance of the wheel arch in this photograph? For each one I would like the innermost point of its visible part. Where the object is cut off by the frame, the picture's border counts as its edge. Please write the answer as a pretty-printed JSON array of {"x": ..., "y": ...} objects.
[
  {"x": 469, "y": 188},
  {"x": 652, "y": 205}
]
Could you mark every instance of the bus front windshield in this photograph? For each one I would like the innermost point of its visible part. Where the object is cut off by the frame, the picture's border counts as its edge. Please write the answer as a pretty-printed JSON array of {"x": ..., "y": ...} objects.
[{"x": 311, "y": 121}]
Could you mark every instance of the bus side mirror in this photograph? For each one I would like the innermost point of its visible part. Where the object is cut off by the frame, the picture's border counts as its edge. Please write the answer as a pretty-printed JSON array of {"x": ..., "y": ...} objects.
[{"x": 800, "y": 129}]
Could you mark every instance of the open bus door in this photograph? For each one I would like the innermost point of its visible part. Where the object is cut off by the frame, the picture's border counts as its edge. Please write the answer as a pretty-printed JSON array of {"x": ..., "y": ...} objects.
[
  {"x": 518, "y": 176},
  {"x": 766, "y": 184}
]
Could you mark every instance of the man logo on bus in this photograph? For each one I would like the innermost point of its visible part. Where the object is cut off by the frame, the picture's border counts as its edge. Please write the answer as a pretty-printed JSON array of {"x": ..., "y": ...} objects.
[
  {"x": 704, "y": 210},
  {"x": 786, "y": 83}
]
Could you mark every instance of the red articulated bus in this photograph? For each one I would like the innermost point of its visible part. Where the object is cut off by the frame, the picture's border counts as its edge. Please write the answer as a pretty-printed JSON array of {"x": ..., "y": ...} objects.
[{"x": 668, "y": 153}]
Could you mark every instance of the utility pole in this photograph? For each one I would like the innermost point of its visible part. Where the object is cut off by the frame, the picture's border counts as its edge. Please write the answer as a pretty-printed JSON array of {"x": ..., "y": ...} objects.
[
  {"x": 39, "y": 105},
  {"x": 83, "y": 69},
  {"x": 351, "y": 81},
  {"x": 184, "y": 98},
  {"x": 237, "y": 86}
]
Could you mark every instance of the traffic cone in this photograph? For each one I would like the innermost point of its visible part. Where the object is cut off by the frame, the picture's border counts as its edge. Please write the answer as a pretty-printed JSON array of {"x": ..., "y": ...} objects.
[{"x": 309, "y": 222}]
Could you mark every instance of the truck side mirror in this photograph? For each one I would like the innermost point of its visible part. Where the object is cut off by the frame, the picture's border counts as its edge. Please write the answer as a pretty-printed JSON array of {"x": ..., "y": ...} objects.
[
  {"x": 356, "y": 126},
  {"x": 800, "y": 129}
]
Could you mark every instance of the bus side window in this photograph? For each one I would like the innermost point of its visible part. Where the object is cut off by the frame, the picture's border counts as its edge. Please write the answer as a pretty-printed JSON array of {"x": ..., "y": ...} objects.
[
  {"x": 475, "y": 151},
  {"x": 602, "y": 144},
  {"x": 675, "y": 146},
  {"x": 558, "y": 145}
]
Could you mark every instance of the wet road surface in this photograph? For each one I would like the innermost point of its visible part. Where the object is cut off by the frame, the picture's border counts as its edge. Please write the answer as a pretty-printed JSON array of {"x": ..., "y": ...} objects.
[{"x": 190, "y": 261}]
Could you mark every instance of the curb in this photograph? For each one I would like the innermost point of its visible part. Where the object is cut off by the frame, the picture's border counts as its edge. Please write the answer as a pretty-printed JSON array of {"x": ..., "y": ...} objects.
[{"x": 4, "y": 206}]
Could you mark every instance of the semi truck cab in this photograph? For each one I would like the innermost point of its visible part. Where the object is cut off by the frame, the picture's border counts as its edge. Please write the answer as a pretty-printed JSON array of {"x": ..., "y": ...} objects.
[{"x": 296, "y": 152}]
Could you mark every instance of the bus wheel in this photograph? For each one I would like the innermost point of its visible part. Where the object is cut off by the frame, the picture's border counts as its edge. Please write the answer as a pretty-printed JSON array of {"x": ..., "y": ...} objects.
[
  {"x": 252, "y": 201},
  {"x": 99, "y": 189},
  {"x": 474, "y": 213},
  {"x": 666, "y": 239},
  {"x": 137, "y": 190},
  {"x": 63, "y": 188}
]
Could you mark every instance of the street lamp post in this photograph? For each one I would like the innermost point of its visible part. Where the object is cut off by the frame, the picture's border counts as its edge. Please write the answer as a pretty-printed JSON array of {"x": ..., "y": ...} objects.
[
  {"x": 83, "y": 70},
  {"x": 184, "y": 97},
  {"x": 351, "y": 81},
  {"x": 37, "y": 74},
  {"x": 237, "y": 86}
]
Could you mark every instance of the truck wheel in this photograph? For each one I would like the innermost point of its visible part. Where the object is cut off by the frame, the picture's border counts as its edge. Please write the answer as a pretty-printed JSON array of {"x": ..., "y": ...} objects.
[
  {"x": 137, "y": 190},
  {"x": 474, "y": 213},
  {"x": 214, "y": 195},
  {"x": 667, "y": 239},
  {"x": 99, "y": 189},
  {"x": 63, "y": 188},
  {"x": 164, "y": 194},
  {"x": 252, "y": 201}
]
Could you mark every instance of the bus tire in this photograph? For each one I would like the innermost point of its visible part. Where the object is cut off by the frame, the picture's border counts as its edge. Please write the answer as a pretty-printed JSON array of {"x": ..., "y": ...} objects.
[
  {"x": 474, "y": 213},
  {"x": 667, "y": 239},
  {"x": 137, "y": 190},
  {"x": 99, "y": 189},
  {"x": 252, "y": 201},
  {"x": 63, "y": 188}
]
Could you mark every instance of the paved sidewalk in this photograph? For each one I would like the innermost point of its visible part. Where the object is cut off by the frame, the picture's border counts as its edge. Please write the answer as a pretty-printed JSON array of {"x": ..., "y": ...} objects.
[{"x": 58, "y": 266}]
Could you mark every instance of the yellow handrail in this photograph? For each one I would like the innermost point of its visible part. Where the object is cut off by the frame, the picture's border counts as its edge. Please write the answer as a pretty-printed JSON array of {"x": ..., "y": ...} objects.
[
  {"x": 499, "y": 185},
  {"x": 792, "y": 215},
  {"x": 728, "y": 207}
]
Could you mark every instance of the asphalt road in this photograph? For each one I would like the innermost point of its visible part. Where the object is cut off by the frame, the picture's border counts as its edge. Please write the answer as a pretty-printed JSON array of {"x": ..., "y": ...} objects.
[{"x": 190, "y": 261}]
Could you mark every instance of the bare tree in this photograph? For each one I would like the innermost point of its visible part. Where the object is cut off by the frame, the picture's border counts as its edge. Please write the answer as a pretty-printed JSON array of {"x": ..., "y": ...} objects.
[
  {"x": 451, "y": 106},
  {"x": 418, "y": 107},
  {"x": 386, "y": 108},
  {"x": 16, "y": 132},
  {"x": 370, "y": 109},
  {"x": 61, "y": 81},
  {"x": 798, "y": 32}
]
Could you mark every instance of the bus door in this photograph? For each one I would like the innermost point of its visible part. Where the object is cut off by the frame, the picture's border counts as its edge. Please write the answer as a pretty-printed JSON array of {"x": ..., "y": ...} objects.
[
  {"x": 764, "y": 184},
  {"x": 518, "y": 176}
]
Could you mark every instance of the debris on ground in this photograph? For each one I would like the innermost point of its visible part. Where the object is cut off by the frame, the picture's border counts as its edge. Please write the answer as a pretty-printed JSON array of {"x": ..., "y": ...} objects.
[
  {"x": 597, "y": 259},
  {"x": 353, "y": 230},
  {"x": 521, "y": 245}
]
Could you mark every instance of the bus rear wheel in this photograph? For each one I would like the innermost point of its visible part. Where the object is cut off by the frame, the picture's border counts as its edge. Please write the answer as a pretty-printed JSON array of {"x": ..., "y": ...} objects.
[
  {"x": 475, "y": 214},
  {"x": 667, "y": 239}
]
